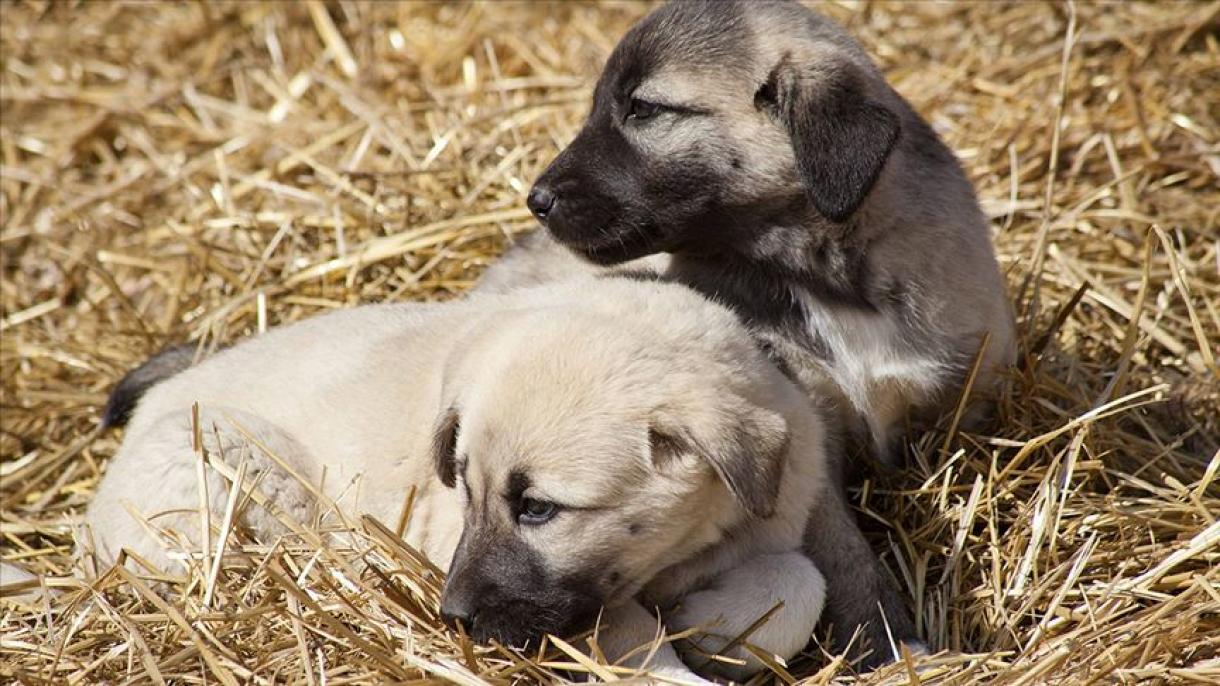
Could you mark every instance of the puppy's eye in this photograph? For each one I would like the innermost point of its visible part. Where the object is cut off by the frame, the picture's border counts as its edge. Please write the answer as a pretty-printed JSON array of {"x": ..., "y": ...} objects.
[
  {"x": 536, "y": 511},
  {"x": 640, "y": 110}
]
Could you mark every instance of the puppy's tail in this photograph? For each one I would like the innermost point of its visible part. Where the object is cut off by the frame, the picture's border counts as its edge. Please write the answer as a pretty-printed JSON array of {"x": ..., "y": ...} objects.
[{"x": 133, "y": 386}]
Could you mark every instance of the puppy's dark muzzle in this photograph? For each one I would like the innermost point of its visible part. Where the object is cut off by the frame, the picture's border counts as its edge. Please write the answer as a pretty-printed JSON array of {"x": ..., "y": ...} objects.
[
  {"x": 541, "y": 201},
  {"x": 458, "y": 611},
  {"x": 499, "y": 589},
  {"x": 457, "y": 619},
  {"x": 465, "y": 607},
  {"x": 485, "y": 612},
  {"x": 590, "y": 224}
]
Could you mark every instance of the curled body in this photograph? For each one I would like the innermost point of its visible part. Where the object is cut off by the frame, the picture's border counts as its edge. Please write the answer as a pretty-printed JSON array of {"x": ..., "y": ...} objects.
[{"x": 606, "y": 442}]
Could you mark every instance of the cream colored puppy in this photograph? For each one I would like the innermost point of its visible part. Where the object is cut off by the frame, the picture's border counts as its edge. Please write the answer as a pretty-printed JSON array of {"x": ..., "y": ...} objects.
[{"x": 604, "y": 442}]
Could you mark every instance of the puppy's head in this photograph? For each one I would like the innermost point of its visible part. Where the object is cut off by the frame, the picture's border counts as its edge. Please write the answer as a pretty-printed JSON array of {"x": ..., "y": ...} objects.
[
  {"x": 590, "y": 458},
  {"x": 716, "y": 125}
]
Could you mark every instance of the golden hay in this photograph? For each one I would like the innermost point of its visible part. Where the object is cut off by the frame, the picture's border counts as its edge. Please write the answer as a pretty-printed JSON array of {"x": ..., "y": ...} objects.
[{"x": 202, "y": 171}]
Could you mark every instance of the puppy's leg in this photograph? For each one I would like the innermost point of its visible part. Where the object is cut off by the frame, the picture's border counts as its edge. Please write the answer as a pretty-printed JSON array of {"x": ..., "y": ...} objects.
[
  {"x": 859, "y": 594},
  {"x": 154, "y": 480},
  {"x": 629, "y": 627},
  {"x": 740, "y": 596},
  {"x": 233, "y": 435}
]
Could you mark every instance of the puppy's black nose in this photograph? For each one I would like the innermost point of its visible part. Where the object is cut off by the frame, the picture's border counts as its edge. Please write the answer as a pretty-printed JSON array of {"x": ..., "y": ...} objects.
[
  {"x": 540, "y": 201},
  {"x": 452, "y": 616}
]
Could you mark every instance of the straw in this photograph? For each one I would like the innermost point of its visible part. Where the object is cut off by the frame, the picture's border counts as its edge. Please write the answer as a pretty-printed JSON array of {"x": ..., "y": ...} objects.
[{"x": 200, "y": 171}]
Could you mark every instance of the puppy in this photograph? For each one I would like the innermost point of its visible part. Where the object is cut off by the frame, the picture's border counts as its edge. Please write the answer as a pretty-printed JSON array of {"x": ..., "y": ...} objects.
[
  {"x": 758, "y": 147},
  {"x": 634, "y": 452},
  {"x": 753, "y": 151}
]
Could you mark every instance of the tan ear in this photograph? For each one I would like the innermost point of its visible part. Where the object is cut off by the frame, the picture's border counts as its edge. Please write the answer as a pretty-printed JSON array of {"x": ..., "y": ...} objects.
[
  {"x": 745, "y": 444},
  {"x": 444, "y": 446}
]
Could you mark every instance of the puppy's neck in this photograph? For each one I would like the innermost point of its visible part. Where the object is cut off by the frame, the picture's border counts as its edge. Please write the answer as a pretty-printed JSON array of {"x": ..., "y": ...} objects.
[{"x": 784, "y": 261}]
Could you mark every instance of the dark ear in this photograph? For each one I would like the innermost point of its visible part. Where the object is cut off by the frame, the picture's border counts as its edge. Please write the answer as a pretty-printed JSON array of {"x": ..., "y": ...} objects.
[
  {"x": 840, "y": 136},
  {"x": 444, "y": 447},
  {"x": 744, "y": 444}
]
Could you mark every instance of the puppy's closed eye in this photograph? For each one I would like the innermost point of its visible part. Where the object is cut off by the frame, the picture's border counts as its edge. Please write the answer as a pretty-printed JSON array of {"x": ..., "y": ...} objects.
[{"x": 640, "y": 109}]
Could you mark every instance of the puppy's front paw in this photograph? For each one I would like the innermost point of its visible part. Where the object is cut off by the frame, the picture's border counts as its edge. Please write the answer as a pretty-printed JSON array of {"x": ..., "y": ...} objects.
[
  {"x": 705, "y": 611},
  {"x": 740, "y": 597}
]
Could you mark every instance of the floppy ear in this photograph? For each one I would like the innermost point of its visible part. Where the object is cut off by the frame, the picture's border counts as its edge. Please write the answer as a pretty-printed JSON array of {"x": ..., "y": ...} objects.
[
  {"x": 840, "y": 136},
  {"x": 744, "y": 444},
  {"x": 444, "y": 447}
]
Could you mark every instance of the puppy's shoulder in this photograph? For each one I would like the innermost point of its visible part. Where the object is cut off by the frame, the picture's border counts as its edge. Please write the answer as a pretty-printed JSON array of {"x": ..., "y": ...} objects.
[
  {"x": 642, "y": 295},
  {"x": 325, "y": 344}
]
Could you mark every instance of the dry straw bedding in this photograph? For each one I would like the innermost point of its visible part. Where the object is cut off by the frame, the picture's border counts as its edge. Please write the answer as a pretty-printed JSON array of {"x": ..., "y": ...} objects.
[{"x": 202, "y": 171}]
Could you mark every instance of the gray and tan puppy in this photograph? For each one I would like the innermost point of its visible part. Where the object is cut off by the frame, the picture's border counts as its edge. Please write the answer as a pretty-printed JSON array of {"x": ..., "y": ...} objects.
[
  {"x": 635, "y": 451},
  {"x": 753, "y": 151}
]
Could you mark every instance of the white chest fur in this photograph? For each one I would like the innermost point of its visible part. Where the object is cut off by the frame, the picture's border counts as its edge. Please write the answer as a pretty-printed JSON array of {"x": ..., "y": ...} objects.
[{"x": 872, "y": 361}]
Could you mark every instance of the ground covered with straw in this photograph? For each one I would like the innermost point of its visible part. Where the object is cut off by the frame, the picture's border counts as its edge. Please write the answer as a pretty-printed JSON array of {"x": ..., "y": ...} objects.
[{"x": 203, "y": 171}]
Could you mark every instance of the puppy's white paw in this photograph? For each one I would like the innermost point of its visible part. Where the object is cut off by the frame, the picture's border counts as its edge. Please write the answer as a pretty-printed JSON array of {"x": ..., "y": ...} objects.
[{"x": 738, "y": 599}]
